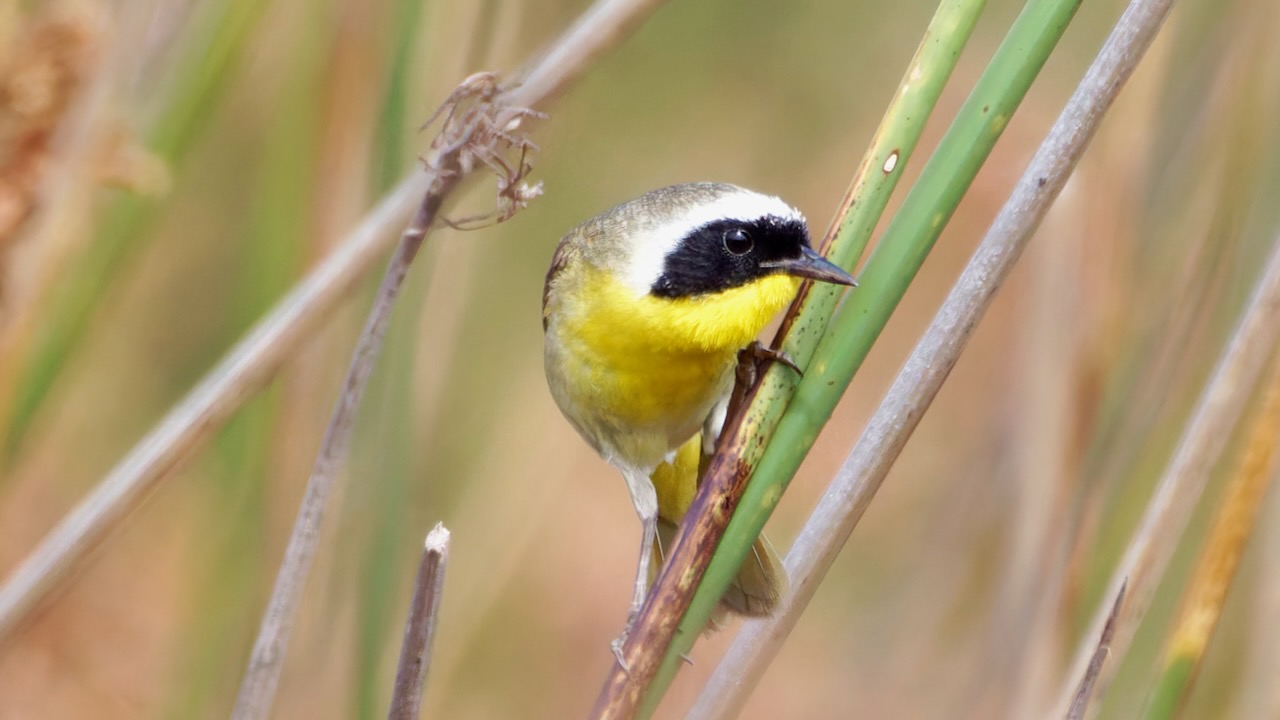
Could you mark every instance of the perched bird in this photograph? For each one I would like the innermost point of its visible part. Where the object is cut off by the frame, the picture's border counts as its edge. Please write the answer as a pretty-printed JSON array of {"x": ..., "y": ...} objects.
[{"x": 645, "y": 309}]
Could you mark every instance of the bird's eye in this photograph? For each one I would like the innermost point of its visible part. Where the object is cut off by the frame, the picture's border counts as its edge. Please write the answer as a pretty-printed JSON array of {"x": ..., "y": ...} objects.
[{"x": 738, "y": 241}]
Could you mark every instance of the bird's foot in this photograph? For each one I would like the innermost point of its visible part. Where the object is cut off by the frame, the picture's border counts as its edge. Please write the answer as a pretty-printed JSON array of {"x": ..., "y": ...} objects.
[
  {"x": 618, "y": 642},
  {"x": 758, "y": 353},
  {"x": 616, "y": 647},
  {"x": 753, "y": 356}
]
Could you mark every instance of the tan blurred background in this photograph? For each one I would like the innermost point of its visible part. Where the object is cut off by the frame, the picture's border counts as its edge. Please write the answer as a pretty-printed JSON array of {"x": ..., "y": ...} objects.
[{"x": 1060, "y": 413}]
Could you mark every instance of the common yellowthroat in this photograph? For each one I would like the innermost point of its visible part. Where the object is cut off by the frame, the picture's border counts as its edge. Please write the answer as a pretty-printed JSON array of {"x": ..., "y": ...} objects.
[{"x": 645, "y": 309}]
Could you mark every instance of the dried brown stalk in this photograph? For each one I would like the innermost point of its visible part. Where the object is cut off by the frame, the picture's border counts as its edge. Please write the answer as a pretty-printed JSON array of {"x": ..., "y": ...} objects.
[
  {"x": 479, "y": 129},
  {"x": 253, "y": 362},
  {"x": 420, "y": 627},
  {"x": 1080, "y": 702}
]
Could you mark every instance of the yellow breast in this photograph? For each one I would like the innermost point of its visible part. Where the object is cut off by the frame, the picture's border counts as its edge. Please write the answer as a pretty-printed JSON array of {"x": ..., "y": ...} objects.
[{"x": 639, "y": 372}]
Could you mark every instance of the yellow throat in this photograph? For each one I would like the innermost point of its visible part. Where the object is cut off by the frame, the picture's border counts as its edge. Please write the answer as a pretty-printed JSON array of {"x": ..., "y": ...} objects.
[{"x": 667, "y": 359}]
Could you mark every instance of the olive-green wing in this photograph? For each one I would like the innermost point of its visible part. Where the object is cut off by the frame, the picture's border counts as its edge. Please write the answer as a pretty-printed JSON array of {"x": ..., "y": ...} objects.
[{"x": 565, "y": 251}]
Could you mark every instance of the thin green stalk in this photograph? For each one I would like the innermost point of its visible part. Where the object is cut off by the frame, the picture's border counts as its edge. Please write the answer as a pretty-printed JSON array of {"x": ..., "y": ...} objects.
[
  {"x": 923, "y": 373},
  {"x": 1175, "y": 681},
  {"x": 196, "y": 89},
  {"x": 890, "y": 149},
  {"x": 914, "y": 230},
  {"x": 391, "y": 156},
  {"x": 885, "y": 278},
  {"x": 887, "y": 155},
  {"x": 269, "y": 253}
]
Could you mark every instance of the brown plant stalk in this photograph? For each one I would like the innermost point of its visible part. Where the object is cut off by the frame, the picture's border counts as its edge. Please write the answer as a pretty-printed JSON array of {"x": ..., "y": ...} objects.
[
  {"x": 481, "y": 125},
  {"x": 1084, "y": 693},
  {"x": 420, "y": 627},
  {"x": 479, "y": 128}
]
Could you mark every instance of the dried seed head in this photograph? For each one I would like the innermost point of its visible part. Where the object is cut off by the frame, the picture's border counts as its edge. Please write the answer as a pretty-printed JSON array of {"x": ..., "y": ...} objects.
[{"x": 480, "y": 129}]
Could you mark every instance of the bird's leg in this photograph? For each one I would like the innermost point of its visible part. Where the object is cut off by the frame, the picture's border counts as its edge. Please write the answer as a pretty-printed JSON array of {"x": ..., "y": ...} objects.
[
  {"x": 649, "y": 531},
  {"x": 645, "y": 499}
]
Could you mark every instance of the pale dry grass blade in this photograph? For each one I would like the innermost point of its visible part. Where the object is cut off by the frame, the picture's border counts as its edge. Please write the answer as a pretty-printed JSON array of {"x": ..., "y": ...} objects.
[
  {"x": 480, "y": 129},
  {"x": 252, "y": 363},
  {"x": 1183, "y": 482},
  {"x": 1042, "y": 421},
  {"x": 258, "y": 688},
  {"x": 931, "y": 361},
  {"x": 1215, "y": 572},
  {"x": 1109, "y": 234},
  {"x": 244, "y": 371}
]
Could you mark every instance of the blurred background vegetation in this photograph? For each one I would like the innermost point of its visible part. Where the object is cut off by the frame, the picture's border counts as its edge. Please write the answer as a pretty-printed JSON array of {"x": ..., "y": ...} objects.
[{"x": 168, "y": 169}]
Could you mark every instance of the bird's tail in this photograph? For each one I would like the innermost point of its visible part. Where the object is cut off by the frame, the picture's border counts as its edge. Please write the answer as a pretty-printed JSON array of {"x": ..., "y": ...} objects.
[
  {"x": 755, "y": 592},
  {"x": 761, "y": 581}
]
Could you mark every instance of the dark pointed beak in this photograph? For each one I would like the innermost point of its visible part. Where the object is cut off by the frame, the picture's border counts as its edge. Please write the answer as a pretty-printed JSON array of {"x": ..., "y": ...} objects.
[{"x": 813, "y": 266}]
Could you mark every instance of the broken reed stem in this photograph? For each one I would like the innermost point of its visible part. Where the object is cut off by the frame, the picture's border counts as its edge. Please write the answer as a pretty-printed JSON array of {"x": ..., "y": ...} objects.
[
  {"x": 476, "y": 137},
  {"x": 420, "y": 627},
  {"x": 923, "y": 373},
  {"x": 256, "y": 358},
  {"x": 258, "y": 688},
  {"x": 1080, "y": 703}
]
